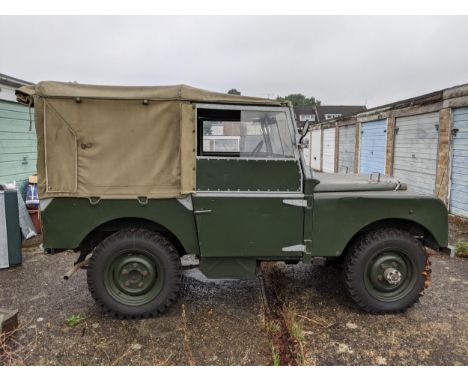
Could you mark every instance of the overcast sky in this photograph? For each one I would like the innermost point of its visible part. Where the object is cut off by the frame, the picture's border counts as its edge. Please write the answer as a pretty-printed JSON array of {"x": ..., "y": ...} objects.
[{"x": 340, "y": 60}]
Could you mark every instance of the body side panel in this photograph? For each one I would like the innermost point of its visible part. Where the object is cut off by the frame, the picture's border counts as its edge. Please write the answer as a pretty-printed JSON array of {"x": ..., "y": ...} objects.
[
  {"x": 248, "y": 226},
  {"x": 67, "y": 221},
  {"x": 240, "y": 174},
  {"x": 337, "y": 217}
]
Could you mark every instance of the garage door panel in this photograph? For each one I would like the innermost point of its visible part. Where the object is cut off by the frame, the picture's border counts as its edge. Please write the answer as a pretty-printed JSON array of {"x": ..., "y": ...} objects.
[
  {"x": 415, "y": 151},
  {"x": 426, "y": 179},
  {"x": 373, "y": 146},
  {"x": 347, "y": 147},
  {"x": 418, "y": 136},
  {"x": 329, "y": 150},
  {"x": 418, "y": 118},
  {"x": 460, "y": 116},
  {"x": 462, "y": 134},
  {"x": 306, "y": 151},
  {"x": 459, "y": 174},
  {"x": 316, "y": 149},
  {"x": 426, "y": 155},
  {"x": 420, "y": 169}
]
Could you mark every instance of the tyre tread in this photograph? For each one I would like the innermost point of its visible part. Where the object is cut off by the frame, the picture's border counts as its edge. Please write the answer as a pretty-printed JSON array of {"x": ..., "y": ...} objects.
[
  {"x": 351, "y": 265},
  {"x": 129, "y": 234}
]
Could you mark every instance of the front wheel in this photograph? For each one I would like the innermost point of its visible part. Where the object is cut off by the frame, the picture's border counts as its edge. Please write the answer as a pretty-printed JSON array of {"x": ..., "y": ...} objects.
[
  {"x": 134, "y": 274},
  {"x": 384, "y": 271}
]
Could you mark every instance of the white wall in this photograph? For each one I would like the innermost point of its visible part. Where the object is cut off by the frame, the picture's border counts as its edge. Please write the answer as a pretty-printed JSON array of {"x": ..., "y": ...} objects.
[{"x": 7, "y": 93}]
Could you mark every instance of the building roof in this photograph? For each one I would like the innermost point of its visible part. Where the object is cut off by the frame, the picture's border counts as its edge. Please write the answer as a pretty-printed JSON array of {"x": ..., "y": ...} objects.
[
  {"x": 304, "y": 109},
  {"x": 343, "y": 110},
  {"x": 12, "y": 81}
]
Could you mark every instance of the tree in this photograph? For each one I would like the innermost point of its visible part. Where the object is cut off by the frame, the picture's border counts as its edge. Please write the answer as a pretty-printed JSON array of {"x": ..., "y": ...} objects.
[
  {"x": 299, "y": 100},
  {"x": 234, "y": 91}
]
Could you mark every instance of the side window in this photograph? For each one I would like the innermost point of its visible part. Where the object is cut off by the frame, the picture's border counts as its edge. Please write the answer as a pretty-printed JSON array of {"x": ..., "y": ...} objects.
[
  {"x": 265, "y": 134},
  {"x": 244, "y": 134}
]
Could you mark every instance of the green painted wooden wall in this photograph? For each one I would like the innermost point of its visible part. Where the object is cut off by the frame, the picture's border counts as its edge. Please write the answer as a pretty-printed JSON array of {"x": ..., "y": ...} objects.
[{"x": 18, "y": 145}]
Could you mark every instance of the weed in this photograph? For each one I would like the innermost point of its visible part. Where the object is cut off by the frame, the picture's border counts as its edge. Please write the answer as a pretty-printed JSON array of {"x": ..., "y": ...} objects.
[
  {"x": 275, "y": 355},
  {"x": 188, "y": 350},
  {"x": 14, "y": 353},
  {"x": 74, "y": 320},
  {"x": 461, "y": 249},
  {"x": 295, "y": 330},
  {"x": 272, "y": 327}
]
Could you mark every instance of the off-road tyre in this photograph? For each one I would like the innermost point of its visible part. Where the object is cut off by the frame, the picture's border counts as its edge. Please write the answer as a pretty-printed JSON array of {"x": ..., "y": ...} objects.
[
  {"x": 367, "y": 260},
  {"x": 137, "y": 254}
]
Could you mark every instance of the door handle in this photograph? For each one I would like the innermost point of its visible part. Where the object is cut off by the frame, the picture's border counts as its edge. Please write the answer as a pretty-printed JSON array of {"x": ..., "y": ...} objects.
[{"x": 198, "y": 212}]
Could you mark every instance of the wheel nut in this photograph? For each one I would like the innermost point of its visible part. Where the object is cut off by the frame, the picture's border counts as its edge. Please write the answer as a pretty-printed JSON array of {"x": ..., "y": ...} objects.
[
  {"x": 380, "y": 277},
  {"x": 140, "y": 284},
  {"x": 124, "y": 271},
  {"x": 127, "y": 283},
  {"x": 135, "y": 265},
  {"x": 144, "y": 273}
]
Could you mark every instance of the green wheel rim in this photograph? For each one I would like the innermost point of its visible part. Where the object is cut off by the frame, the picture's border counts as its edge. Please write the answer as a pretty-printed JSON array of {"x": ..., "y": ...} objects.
[
  {"x": 390, "y": 275},
  {"x": 134, "y": 278}
]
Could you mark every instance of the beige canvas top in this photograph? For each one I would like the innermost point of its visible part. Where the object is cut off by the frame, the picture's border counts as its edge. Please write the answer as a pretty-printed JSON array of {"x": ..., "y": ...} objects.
[
  {"x": 171, "y": 92},
  {"x": 118, "y": 142}
]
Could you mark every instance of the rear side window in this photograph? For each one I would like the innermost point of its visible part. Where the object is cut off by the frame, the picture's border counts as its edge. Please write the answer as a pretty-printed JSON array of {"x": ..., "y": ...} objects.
[{"x": 244, "y": 134}]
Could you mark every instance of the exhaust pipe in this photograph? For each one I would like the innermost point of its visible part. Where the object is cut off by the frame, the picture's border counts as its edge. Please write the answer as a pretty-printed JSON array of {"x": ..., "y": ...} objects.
[{"x": 71, "y": 272}]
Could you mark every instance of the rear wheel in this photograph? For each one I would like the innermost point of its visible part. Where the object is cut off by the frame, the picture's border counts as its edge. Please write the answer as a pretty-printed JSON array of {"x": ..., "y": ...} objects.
[
  {"x": 134, "y": 274},
  {"x": 384, "y": 270}
]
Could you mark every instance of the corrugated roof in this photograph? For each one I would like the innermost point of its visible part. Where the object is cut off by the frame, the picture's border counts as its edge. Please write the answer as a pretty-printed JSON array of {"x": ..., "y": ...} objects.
[{"x": 12, "y": 81}]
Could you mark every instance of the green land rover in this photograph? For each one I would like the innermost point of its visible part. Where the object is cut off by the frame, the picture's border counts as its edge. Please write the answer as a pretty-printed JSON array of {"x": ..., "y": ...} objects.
[{"x": 133, "y": 178}]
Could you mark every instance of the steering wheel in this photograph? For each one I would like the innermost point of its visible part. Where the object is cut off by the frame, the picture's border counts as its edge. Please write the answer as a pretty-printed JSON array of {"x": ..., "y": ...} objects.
[{"x": 258, "y": 147}]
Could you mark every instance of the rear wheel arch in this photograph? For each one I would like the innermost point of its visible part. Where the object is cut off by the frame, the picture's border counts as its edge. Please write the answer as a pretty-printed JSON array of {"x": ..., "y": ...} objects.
[{"x": 102, "y": 231}]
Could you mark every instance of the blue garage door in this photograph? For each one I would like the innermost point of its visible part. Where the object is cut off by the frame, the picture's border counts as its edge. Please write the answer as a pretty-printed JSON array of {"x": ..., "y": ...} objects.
[
  {"x": 459, "y": 185},
  {"x": 373, "y": 147}
]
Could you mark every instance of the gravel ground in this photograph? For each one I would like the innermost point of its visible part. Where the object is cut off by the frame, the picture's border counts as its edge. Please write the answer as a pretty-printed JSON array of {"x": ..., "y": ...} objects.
[
  {"x": 212, "y": 323},
  {"x": 223, "y": 322},
  {"x": 336, "y": 332}
]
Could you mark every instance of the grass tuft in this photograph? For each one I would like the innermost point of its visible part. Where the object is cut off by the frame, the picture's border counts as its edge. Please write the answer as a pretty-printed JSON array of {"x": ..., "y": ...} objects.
[
  {"x": 461, "y": 249},
  {"x": 74, "y": 320}
]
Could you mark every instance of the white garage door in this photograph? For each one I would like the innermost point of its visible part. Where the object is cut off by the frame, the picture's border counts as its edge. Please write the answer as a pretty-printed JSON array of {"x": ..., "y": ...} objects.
[
  {"x": 459, "y": 185},
  {"x": 329, "y": 150},
  {"x": 316, "y": 149},
  {"x": 347, "y": 147},
  {"x": 306, "y": 150},
  {"x": 415, "y": 155}
]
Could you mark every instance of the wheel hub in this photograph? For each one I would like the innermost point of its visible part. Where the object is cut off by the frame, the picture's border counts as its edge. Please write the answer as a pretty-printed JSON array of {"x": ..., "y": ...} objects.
[
  {"x": 389, "y": 275},
  {"x": 392, "y": 276},
  {"x": 134, "y": 274}
]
